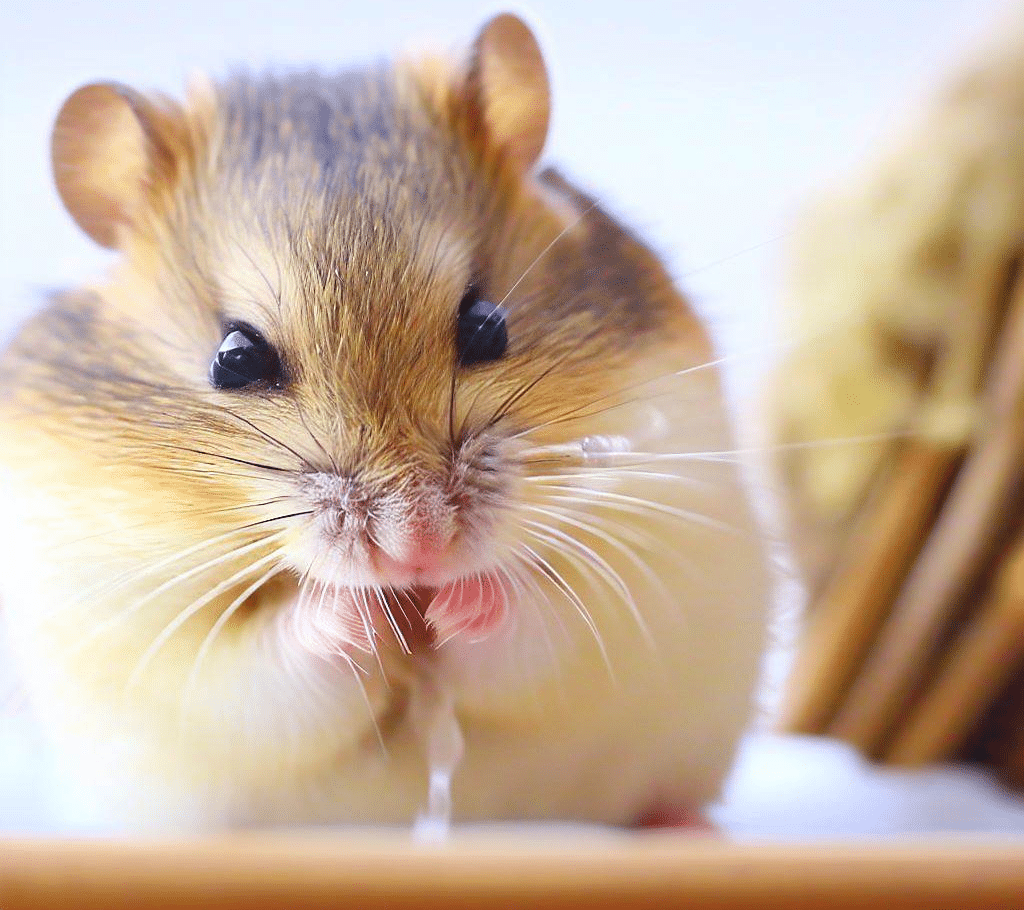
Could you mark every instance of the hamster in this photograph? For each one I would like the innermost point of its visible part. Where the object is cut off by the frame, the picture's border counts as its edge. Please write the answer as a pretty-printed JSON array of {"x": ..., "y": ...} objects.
[{"x": 375, "y": 429}]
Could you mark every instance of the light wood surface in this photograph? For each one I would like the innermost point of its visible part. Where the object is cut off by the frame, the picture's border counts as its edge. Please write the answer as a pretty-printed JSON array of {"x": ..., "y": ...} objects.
[{"x": 637, "y": 871}]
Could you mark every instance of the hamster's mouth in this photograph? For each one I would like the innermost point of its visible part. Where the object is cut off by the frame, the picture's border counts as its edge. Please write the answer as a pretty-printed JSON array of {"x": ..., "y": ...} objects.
[
  {"x": 329, "y": 619},
  {"x": 472, "y": 606}
]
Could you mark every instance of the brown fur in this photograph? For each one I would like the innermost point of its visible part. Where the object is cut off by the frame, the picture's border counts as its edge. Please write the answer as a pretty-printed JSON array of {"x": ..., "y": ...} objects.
[{"x": 344, "y": 217}]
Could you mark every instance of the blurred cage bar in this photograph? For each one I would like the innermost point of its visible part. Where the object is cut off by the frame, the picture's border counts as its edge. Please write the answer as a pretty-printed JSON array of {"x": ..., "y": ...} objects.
[{"x": 913, "y": 643}]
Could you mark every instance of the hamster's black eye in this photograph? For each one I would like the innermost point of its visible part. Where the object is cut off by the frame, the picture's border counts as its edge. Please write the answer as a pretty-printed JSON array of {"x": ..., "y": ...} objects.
[
  {"x": 482, "y": 333},
  {"x": 244, "y": 357}
]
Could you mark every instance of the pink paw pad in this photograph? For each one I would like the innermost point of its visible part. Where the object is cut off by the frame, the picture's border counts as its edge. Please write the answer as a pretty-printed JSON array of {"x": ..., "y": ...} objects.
[
  {"x": 472, "y": 606},
  {"x": 674, "y": 817}
]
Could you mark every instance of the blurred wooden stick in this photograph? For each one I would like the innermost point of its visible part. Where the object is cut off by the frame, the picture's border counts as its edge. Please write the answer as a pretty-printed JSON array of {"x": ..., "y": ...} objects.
[
  {"x": 889, "y": 532},
  {"x": 880, "y": 547},
  {"x": 982, "y": 660},
  {"x": 962, "y": 539}
]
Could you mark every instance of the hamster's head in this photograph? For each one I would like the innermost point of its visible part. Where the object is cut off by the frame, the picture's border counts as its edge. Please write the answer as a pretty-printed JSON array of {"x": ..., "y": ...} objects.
[{"x": 350, "y": 332}]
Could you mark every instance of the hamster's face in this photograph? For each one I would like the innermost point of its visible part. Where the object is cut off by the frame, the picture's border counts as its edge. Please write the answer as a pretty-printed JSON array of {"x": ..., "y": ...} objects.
[{"x": 347, "y": 341}]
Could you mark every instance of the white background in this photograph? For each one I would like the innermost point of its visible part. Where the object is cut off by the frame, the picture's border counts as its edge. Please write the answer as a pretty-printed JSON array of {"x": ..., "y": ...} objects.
[{"x": 703, "y": 123}]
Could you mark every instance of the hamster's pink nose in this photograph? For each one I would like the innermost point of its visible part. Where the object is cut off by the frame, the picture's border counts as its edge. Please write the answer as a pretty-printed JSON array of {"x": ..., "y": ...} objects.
[{"x": 422, "y": 552}]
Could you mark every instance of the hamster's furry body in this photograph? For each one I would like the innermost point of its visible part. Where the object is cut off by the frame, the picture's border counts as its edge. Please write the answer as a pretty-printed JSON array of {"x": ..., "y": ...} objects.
[{"x": 225, "y": 601}]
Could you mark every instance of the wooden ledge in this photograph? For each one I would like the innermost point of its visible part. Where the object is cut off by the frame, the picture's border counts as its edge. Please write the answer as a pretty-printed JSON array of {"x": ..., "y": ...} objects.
[{"x": 376, "y": 871}]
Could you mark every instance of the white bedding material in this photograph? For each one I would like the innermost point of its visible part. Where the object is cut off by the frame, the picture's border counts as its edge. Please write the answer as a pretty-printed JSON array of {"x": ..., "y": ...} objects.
[{"x": 802, "y": 787}]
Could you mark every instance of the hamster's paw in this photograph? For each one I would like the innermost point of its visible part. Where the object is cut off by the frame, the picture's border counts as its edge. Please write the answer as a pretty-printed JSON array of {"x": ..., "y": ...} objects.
[{"x": 669, "y": 816}]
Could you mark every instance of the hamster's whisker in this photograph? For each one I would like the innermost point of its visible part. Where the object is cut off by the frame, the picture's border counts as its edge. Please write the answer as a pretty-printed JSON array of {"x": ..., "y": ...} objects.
[
  {"x": 595, "y": 511},
  {"x": 359, "y": 601},
  {"x": 534, "y": 594},
  {"x": 362, "y": 601},
  {"x": 566, "y": 457},
  {"x": 570, "y": 517},
  {"x": 310, "y": 586},
  {"x": 303, "y": 461},
  {"x": 191, "y": 610},
  {"x": 137, "y": 574},
  {"x": 540, "y": 256},
  {"x": 452, "y": 436},
  {"x": 596, "y": 565},
  {"x": 739, "y": 454},
  {"x": 157, "y": 525},
  {"x": 277, "y": 469},
  {"x": 363, "y": 608},
  {"x": 358, "y": 672},
  {"x": 400, "y": 595},
  {"x": 207, "y": 472},
  {"x": 592, "y": 560},
  {"x": 262, "y": 521},
  {"x": 301, "y": 671},
  {"x": 462, "y": 587},
  {"x": 526, "y": 387},
  {"x": 598, "y": 515},
  {"x": 736, "y": 255},
  {"x": 639, "y": 505},
  {"x": 316, "y": 440},
  {"x": 318, "y": 613},
  {"x": 469, "y": 411},
  {"x": 553, "y": 575},
  {"x": 513, "y": 580},
  {"x": 305, "y": 579},
  {"x": 133, "y": 608},
  {"x": 392, "y": 621},
  {"x": 580, "y": 412},
  {"x": 620, "y": 531},
  {"x": 620, "y": 472},
  {"x": 215, "y": 629}
]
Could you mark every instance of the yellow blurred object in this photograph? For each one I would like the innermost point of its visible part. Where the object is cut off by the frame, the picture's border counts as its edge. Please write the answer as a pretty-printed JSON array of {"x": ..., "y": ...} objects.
[{"x": 900, "y": 422}]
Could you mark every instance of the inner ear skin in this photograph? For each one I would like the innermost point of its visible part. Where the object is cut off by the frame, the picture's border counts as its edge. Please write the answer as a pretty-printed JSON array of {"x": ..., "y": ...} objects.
[
  {"x": 113, "y": 151},
  {"x": 508, "y": 87}
]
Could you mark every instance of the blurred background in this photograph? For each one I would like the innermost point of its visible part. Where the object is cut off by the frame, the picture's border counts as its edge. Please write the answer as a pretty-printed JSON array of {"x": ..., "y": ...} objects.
[{"x": 704, "y": 125}]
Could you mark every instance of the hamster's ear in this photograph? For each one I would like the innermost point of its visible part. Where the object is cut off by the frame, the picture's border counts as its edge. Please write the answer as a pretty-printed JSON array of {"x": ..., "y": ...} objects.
[
  {"x": 508, "y": 88},
  {"x": 107, "y": 150}
]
